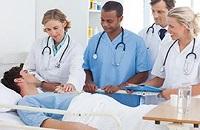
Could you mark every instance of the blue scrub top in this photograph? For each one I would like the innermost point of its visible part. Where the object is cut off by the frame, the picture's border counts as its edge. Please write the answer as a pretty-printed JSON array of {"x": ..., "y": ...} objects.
[
  {"x": 104, "y": 69},
  {"x": 44, "y": 100}
]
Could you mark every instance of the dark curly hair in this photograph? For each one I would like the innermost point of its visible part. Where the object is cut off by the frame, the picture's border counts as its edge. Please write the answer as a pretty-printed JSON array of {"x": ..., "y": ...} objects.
[{"x": 9, "y": 76}]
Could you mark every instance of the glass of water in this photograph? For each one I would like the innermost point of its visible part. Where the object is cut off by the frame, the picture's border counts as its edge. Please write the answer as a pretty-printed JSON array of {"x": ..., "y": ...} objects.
[{"x": 184, "y": 98}]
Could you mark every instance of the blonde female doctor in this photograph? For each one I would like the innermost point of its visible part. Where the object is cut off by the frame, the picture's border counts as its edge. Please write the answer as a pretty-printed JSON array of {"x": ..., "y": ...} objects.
[
  {"x": 178, "y": 61},
  {"x": 56, "y": 60}
]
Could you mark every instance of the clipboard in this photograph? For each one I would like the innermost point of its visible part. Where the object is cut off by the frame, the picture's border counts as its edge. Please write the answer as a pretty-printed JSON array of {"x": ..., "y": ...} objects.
[
  {"x": 131, "y": 100},
  {"x": 143, "y": 88}
]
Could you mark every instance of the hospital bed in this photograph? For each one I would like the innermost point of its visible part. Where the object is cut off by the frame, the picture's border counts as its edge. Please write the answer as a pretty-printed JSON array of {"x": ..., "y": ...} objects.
[
  {"x": 98, "y": 114},
  {"x": 11, "y": 120},
  {"x": 119, "y": 117}
]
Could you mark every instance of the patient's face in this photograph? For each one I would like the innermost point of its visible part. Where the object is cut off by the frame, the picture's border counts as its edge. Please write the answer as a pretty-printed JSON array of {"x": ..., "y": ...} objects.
[{"x": 28, "y": 77}]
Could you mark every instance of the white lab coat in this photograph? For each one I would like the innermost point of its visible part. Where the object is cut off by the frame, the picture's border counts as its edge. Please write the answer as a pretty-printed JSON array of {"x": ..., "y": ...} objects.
[
  {"x": 153, "y": 42},
  {"x": 70, "y": 70},
  {"x": 174, "y": 73}
]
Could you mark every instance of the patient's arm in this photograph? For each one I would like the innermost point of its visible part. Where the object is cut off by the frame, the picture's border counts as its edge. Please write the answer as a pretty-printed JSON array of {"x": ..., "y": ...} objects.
[{"x": 63, "y": 125}]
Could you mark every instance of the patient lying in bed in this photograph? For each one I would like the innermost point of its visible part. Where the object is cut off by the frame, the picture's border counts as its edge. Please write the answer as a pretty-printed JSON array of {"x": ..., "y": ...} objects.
[
  {"x": 24, "y": 83},
  {"x": 104, "y": 112}
]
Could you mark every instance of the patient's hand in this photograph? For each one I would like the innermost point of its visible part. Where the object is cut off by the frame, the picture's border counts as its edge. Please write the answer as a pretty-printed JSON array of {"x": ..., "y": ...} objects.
[
  {"x": 69, "y": 87},
  {"x": 65, "y": 88}
]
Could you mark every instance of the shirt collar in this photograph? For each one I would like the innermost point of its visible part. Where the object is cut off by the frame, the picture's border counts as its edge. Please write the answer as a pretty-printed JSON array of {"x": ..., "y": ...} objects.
[{"x": 57, "y": 48}]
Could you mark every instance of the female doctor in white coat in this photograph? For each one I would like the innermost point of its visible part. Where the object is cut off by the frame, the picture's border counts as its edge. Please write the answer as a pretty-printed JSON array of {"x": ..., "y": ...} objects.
[
  {"x": 55, "y": 59},
  {"x": 178, "y": 61}
]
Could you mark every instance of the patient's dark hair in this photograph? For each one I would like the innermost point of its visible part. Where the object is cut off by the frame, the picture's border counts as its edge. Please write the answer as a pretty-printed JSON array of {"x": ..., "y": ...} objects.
[
  {"x": 9, "y": 76},
  {"x": 113, "y": 5}
]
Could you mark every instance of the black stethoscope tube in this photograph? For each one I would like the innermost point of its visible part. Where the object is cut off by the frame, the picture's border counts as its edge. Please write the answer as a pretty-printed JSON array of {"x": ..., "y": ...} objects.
[
  {"x": 191, "y": 53},
  {"x": 151, "y": 27},
  {"x": 99, "y": 40},
  {"x": 47, "y": 47}
]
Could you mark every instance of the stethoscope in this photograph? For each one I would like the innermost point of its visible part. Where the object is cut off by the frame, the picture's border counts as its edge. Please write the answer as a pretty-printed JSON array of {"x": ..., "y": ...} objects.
[
  {"x": 151, "y": 27},
  {"x": 186, "y": 71},
  {"x": 49, "y": 49},
  {"x": 95, "y": 56}
]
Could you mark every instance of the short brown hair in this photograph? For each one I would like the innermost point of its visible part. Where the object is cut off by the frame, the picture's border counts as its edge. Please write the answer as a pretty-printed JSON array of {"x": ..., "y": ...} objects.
[
  {"x": 169, "y": 3},
  {"x": 9, "y": 76},
  {"x": 55, "y": 14}
]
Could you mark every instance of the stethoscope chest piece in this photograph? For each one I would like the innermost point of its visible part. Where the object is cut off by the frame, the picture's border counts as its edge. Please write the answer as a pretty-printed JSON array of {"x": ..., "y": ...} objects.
[
  {"x": 162, "y": 69},
  {"x": 58, "y": 65},
  {"x": 94, "y": 56}
]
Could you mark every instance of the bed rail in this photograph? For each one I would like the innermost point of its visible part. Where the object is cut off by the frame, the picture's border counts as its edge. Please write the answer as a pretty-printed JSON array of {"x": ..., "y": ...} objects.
[{"x": 55, "y": 111}]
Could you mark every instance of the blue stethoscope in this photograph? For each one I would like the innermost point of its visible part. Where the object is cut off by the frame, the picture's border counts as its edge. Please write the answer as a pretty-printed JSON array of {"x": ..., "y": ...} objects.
[
  {"x": 187, "y": 70},
  {"x": 49, "y": 49},
  {"x": 151, "y": 27},
  {"x": 95, "y": 56}
]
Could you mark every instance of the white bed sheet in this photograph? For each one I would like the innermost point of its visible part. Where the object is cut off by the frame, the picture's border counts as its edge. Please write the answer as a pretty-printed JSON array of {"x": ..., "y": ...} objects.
[
  {"x": 10, "y": 118},
  {"x": 128, "y": 118}
]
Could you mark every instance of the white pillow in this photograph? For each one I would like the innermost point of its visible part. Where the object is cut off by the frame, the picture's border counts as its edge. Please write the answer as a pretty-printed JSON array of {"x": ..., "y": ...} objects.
[{"x": 8, "y": 96}]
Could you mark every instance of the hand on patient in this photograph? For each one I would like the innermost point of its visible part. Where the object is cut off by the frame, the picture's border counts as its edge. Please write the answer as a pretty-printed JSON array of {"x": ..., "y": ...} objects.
[
  {"x": 90, "y": 87},
  {"x": 111, "y": 89},
  {"x": 65, "y": 88}
]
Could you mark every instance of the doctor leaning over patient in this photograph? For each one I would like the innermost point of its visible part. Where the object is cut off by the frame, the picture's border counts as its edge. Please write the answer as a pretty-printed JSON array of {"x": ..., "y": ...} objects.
[
  {"x": 115, "y": 56},
  {"x": 156, "y": 34},
  {"x": 56, "y": 59},
  {"x": 178, "y": 61}
]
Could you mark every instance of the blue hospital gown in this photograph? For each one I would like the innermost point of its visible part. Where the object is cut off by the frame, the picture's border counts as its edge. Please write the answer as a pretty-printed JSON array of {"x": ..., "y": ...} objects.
[
  {"x": 43, "y": 100},
  {"x": 104, "y": 70}
]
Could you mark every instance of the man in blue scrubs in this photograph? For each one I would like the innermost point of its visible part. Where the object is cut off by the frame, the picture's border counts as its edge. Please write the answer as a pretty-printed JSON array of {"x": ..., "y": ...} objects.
[{"x": 116, "y": 56}]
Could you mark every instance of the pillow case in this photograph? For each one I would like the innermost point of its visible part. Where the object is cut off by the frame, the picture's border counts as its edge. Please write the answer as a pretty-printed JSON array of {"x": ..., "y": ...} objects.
[{"x": 8, "y": 96}]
